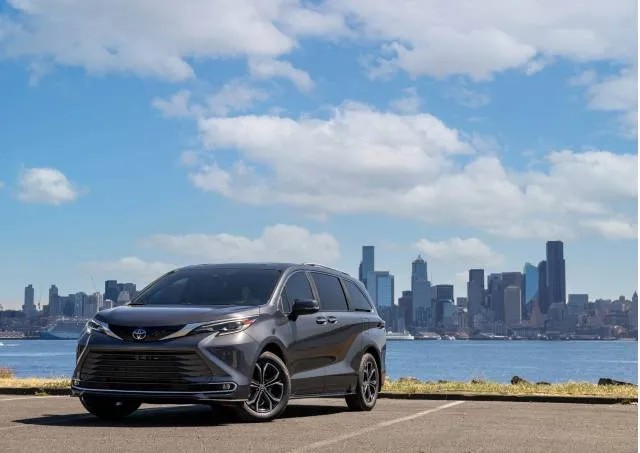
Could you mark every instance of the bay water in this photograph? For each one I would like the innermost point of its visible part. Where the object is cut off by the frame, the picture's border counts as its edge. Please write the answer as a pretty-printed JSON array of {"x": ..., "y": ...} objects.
[{"x": 551, "y": 361}]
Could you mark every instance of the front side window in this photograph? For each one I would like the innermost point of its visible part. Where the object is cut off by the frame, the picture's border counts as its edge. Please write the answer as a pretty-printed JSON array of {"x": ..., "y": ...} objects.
[
  {"x": 297, "y": 287},
  {"x": 330, "y": 293},
  {"x": 250, "y": 287}
]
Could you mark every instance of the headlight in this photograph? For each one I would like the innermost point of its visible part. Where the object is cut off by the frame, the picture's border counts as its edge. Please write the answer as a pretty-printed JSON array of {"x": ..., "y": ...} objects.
[
  {"x": 95, "y": 325},
  {"x": 225, "y": 327}
]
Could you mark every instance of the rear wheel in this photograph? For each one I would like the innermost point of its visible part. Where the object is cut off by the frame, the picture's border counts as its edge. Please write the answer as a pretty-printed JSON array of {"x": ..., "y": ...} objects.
[
  {"x": 269, "y": 390},
  {"x": 109, "y": 408},
  {"x": 368, "y": 385}
]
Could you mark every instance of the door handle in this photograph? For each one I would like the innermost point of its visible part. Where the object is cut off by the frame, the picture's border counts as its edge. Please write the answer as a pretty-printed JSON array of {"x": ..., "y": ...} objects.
[
  {"x": 321, "y": 320},
  {"x": 332, "y": 319}
]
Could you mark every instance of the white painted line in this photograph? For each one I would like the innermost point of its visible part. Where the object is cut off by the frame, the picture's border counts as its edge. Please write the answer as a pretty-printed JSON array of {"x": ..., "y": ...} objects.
[
  {"x": 324, "y": 443},
  {"x": 33, "y": 397}
]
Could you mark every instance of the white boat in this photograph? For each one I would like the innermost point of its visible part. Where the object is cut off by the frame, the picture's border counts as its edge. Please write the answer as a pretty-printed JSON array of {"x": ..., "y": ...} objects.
[
  {"x": 399, "y": 336},
  {"x": 64, "y": 329}
]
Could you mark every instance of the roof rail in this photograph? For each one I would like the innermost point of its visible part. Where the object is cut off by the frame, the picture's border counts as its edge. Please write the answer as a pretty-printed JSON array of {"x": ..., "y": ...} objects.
[{"x": 324, "y": 267}]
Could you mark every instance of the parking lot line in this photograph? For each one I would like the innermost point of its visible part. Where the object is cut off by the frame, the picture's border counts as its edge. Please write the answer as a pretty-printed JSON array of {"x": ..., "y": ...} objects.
[{"x": 324, "y": 443}]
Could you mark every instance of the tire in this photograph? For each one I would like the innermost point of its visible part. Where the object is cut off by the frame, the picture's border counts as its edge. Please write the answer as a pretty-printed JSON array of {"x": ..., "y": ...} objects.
[
  {"x": 109, "y": 408},
  {"x": 366, "y": 395},
  {"x": 269, "y": 390}
]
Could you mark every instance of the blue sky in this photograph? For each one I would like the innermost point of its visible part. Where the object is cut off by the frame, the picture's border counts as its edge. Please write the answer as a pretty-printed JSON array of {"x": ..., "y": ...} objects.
[{"x": 137, "y": 138}]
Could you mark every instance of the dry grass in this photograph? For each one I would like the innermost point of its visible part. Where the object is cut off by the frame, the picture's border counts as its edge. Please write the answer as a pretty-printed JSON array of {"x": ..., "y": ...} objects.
[
  {"x": 40, "y": 383},
  {"x": 569, "y": 388}
]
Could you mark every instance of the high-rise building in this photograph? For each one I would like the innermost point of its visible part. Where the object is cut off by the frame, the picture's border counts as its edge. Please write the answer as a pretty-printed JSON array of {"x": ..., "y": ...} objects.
[
  {"x": 367, "y": 264},
  {"x": 556, "y": 272},
  {"x": 515, "y": 279},
  {"x": 405, "y": 306},
  {"x": 633, "y": 312},
  {"x": 29, "y": 307},
  {"x": 577, "y": 303},
  {"x": 55, "y": 309},
  {"x": 420, "y": 292},
  {"x": 543, "y": 290},
  {"x": 381, "y": 288},
  {"x": 130, "y": 288},
  {"x": 512, "y": 306},
  {"x": 495, "y": 296},
  {"x": 79, "y": 300},
  {"x": 530, "y": 284},
  {"x": 475, "y": 292},
  {"x": 111, "y": 290},
  {"x": 442, "y": 301}
]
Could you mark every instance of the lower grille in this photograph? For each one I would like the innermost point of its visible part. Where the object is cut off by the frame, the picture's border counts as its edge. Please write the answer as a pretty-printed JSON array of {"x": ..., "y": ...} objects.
[{"x": 146, "y": 370}]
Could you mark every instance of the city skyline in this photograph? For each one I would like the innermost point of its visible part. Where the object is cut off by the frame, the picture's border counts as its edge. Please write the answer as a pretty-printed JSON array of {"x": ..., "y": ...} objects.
[{"x": 296, "y": 133}]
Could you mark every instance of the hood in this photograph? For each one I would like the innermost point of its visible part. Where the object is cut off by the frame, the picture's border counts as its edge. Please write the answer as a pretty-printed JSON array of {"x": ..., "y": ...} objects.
[{"x": 149, "y": 315}]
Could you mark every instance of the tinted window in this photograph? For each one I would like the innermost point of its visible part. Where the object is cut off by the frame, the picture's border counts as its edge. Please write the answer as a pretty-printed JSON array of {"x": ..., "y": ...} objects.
[
  {"x": 330, "y": 293},
  {"x": 297, "y": 287},
  {"x": 358, "y": 301},
  {"x": 212, "y": 287}
]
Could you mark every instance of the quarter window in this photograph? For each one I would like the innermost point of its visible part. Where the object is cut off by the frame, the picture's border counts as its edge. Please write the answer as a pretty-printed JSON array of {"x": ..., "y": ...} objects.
[
  {"x": 358, "y": 300},
  {"x": 330, "y": 293}
]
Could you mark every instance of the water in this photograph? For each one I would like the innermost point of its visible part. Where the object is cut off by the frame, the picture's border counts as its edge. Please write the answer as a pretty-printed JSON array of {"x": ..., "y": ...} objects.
[{"x": 552, "y": 361}]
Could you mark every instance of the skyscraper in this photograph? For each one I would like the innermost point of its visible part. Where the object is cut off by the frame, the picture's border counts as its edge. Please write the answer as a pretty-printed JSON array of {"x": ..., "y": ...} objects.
[
  {"x": 543, "y": 291},
  {"x": 515, "y": 279},
  {"x": 405, "y": 306},
  {"x": 111, "y": 290},
  {"x": 530, "y": 283},
  {"x": 495, "y": 295},
  {"x": 367, "y": 264},
  {"x": 475, "y": 293},
  {"x": 420, "y": 292},
  {"x": 443, "y": 296},
  {"x": 29, "y": 308},
  {"x": 633, "y": 311},
  {"x": 556, "y": 272},
  {"x": 512, "y": 306},
  {"x": 380, "y": 285},
  {"x": 55, "y": 308}
]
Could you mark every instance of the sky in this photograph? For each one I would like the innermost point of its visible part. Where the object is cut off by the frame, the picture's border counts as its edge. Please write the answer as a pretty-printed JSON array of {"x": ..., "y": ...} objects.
[{"x": 137, "y": 136}]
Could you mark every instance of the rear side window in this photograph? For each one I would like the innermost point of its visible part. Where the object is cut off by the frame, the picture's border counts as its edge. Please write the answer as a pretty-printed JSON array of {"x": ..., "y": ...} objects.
[
  {"x": 330, "y": 293},
  {"x": 297, "y": 287},
  {"x": 358, "y": 300}
]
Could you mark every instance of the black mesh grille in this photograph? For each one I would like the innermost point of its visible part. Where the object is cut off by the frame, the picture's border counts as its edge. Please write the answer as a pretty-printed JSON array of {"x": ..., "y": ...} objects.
[
  {"x": 152, "y": 333},
  {"x": 146, "y": 370}
]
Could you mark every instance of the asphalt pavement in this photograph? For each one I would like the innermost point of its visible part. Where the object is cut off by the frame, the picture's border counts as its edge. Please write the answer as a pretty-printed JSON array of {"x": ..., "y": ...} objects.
[{"x": 55, "y": 424}]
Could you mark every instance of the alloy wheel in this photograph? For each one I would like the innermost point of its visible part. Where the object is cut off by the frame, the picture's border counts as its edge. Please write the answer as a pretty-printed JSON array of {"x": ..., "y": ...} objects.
[
  {"x": 267, "y": 387},
  {"x": 370, "y": 381}
]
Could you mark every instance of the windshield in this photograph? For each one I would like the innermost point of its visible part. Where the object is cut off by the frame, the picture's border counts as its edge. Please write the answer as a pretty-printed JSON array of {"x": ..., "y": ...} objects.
[{"x": 211, "y": 286}]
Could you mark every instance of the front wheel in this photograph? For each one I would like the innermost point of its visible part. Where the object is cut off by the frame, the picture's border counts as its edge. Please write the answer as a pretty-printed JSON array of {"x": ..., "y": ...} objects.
[
  {"x": 269, "y": 390},
  {"x": 368, "y": 385},
  {"x": 109, "y": 408}
]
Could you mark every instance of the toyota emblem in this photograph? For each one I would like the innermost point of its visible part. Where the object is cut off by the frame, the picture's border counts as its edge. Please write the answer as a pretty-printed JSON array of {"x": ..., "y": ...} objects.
[{"x": 139, "y": 334}]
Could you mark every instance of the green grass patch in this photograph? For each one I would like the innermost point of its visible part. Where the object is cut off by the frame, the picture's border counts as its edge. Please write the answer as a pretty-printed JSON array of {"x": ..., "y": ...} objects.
[{"x": 410, "y": 385}]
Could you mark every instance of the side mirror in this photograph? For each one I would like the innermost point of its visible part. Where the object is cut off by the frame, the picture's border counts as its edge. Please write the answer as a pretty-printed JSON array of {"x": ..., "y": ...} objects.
[{"x": 304, "y": 307}]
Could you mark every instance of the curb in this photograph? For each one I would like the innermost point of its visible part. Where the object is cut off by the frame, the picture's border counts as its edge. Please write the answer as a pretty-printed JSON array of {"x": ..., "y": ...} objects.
[
  {"x": 33, "y": 391},
  {"x": 411, "y": 396},
  {"x": 512, "y": 398}
]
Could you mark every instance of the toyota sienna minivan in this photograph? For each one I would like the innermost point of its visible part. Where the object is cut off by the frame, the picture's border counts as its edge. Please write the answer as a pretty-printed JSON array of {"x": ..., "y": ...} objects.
[{"x": 247, "y": 336}]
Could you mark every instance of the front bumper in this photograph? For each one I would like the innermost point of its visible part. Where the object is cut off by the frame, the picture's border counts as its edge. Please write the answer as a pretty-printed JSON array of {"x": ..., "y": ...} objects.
[{"x": 110, "y": 367}]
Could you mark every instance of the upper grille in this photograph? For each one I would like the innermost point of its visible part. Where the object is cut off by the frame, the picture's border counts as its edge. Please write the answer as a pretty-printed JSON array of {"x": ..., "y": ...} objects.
[
  {"x": 146, "y": 370},
  {"x": 153, "y": 333}
]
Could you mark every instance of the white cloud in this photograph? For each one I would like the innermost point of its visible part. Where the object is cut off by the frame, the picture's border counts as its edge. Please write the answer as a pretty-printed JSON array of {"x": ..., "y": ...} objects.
[
  {"x": 618, "y": 93},
  {"x": 266, "y": 68},
  {"x": 479, "y": 39},
  {"x": 413, "y": 166},
  {"x": 234, "y": 96},
  {"x": 409, "y": 103},
  {"x": 129, "y": 268},
  {"x": 463, "y": 95},
  {"x": 613, "y": 228},
  {"x": 471, "y": 251},
  {"x": 176, "y": 106},
  {"x": 277, "y": 243},
  {"x": 45, "y": 185},
  {"x": 139, "y": 36}
]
